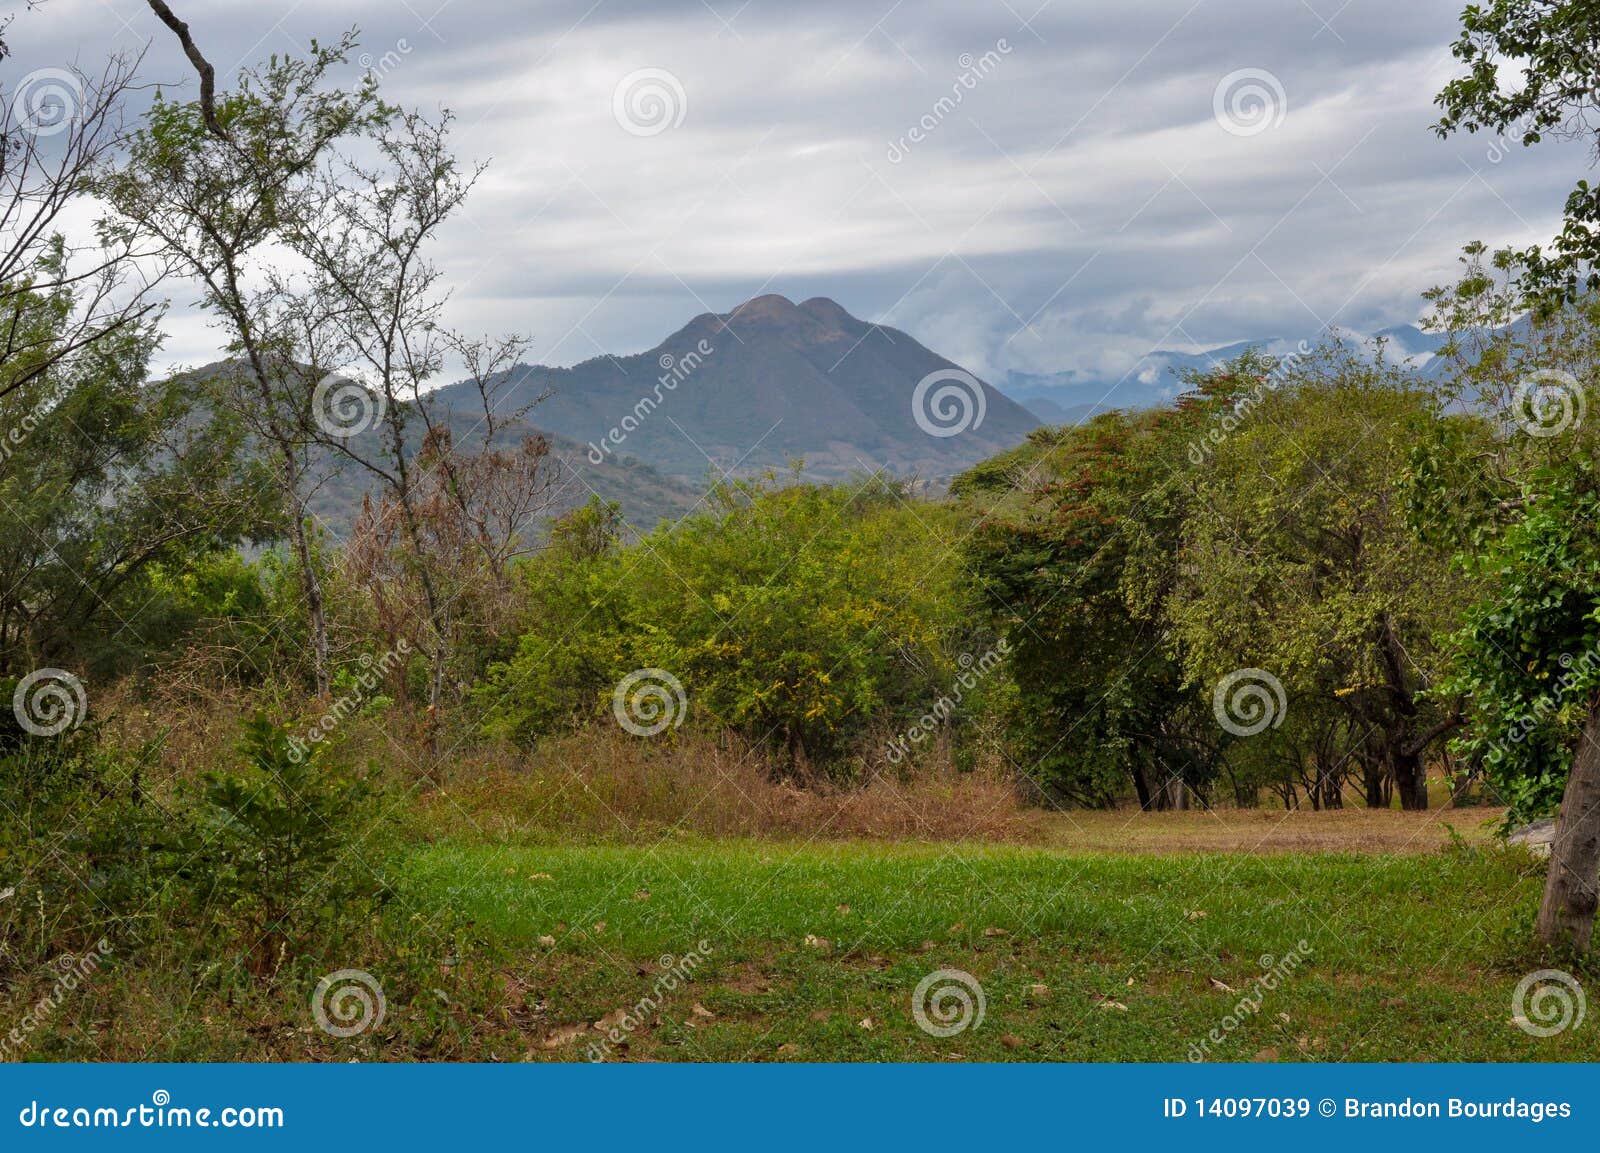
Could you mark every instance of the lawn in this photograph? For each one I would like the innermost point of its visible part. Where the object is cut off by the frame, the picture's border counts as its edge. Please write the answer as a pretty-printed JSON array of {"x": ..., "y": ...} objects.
[{"x": 813, "y": 952}]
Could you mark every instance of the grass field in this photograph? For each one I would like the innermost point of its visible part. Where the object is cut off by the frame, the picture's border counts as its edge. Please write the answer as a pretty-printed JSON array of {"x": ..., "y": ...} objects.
[{"x": 813, "y": 952}]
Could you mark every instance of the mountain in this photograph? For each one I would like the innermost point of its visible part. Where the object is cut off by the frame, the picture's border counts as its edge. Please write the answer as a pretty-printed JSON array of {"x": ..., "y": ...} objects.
[
  {"x": 769, "y": 383},
  {"x": 1071, "y": 396}
]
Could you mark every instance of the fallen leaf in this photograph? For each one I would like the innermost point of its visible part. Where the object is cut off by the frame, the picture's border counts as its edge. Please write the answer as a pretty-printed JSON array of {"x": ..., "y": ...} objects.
[
  {"x": 547, "y": 941},
  {"x": 991, "y": 931},
  {"x": 821, "y": 1014},
  {"x": 611, "y": 1020},
  {"x": 842, "y": 910},
  {"x": 820, "y": 944},
  {"x": 540, "y": 877},
  {"x": 788, "y": 1050},
  {"x": 642, "y": 895},
  {"x": 1220, "y": 986},
  {"x": 1039, "y": 992},
  {"x": 927, "y": 946},
  {"x": 599, "y": 926},
  {"x": 1195, "y": 914},
  {"x": 700, "y": 1010},
  {"x": 1270, "y": 1053},
  {"x": 957, "y": 927},
  {"x": 1011, "y": 1040},
  {"x": 865, "y": 1023},
  {"x": 565, "y": 1035}
]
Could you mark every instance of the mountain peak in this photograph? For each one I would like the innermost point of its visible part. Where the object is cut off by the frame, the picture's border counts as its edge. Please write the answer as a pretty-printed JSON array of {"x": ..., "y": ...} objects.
[{"x": 768, "y": 307}]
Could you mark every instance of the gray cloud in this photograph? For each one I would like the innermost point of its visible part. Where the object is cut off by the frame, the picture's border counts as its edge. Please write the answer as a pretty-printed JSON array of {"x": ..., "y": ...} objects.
[{"x": 1078, "y": 205}]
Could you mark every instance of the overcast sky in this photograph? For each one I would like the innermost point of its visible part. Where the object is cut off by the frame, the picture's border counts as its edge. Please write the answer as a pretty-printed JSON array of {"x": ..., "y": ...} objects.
[{"x": 1092, "y": 194}]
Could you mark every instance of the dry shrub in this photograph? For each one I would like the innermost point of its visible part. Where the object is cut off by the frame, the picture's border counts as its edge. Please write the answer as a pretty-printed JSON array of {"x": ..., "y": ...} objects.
[{"x": 608, "y": 786}]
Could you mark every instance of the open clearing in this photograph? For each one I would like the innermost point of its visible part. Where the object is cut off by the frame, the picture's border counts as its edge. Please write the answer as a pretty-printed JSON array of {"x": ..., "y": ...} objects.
[{"x": 813, "y": 951}]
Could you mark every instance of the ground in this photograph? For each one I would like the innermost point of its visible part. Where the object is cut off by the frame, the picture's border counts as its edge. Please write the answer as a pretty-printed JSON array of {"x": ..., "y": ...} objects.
[{"x": 1341, "y": 936}]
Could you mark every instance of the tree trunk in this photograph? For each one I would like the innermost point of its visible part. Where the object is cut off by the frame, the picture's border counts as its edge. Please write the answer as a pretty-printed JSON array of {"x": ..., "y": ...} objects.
[
  {"x": 1566, "y": 915},
  {"x": 1411, "y": 778},
  {"x": 311, "y": 585}
]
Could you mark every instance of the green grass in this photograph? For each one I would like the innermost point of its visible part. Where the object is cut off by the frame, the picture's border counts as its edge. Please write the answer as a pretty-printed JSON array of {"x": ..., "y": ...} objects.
[{"x": 1410, "y": 958}]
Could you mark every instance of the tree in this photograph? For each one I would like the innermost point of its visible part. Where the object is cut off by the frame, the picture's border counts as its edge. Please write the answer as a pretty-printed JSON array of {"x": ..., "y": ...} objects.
[
  {"x": 1299, "y": 558},
  {"x": 1533, "y": 71},
  {"x": 60, "y": 132},
  {"x": 213, "y": 187},
  {"x": 1550, "y": 47}
]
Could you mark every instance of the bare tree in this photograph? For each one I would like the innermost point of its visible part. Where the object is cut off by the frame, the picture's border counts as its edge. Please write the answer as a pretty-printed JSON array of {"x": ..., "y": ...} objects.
[
  {"x": 213, "y": 190},
  {"x": 60, "y": 133}
]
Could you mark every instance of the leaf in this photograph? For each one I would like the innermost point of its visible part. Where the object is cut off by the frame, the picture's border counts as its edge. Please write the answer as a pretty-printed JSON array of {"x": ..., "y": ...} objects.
[
  {"x": 563, "y": 1036},
  {"x": 1270, "y": 1053},
  {"x": 700, "y": 1010},
  {"x": 547, "y": 941},
  {"x": 991, "y": 931},
  {"x": 1220, "y": 986},
  {"x": 1011, "y": 1040},
  {"x": 820, "y": 944},
  {"x": 865, "y": 1023}
]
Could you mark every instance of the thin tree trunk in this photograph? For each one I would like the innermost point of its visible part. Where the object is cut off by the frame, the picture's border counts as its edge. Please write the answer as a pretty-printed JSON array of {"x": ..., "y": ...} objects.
[
  {"x": 311, "y": 585},
  {"x": 1566, "y": 914}
]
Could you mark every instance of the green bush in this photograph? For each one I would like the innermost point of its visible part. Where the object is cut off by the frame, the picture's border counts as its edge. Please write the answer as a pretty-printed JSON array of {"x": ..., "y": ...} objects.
[{"x": 803, "y": 617}]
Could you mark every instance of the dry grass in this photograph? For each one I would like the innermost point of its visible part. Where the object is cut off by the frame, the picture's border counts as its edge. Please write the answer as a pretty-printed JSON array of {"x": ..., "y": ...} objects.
[
  {"x": 611, "y": 787},
  {"x": 1270, "y": 831}
]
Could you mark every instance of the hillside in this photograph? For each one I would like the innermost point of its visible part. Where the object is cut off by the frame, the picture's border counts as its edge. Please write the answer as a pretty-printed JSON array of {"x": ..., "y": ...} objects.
[{"x": 761, "y": 386}]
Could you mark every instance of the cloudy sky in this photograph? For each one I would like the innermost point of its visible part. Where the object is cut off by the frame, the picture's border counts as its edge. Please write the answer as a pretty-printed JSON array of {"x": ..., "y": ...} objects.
[{"x": 1023, "y": 187}]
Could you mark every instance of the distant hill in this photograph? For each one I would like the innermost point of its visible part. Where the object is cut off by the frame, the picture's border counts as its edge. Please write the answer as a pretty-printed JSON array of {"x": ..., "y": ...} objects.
[
  {"x": 1071, "y": 396},
  {"x": 768, "y": 383}
]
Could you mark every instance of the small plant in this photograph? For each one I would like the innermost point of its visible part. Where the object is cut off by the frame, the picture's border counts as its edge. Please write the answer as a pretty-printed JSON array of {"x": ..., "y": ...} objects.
[{"x": 280, "y": 851}]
